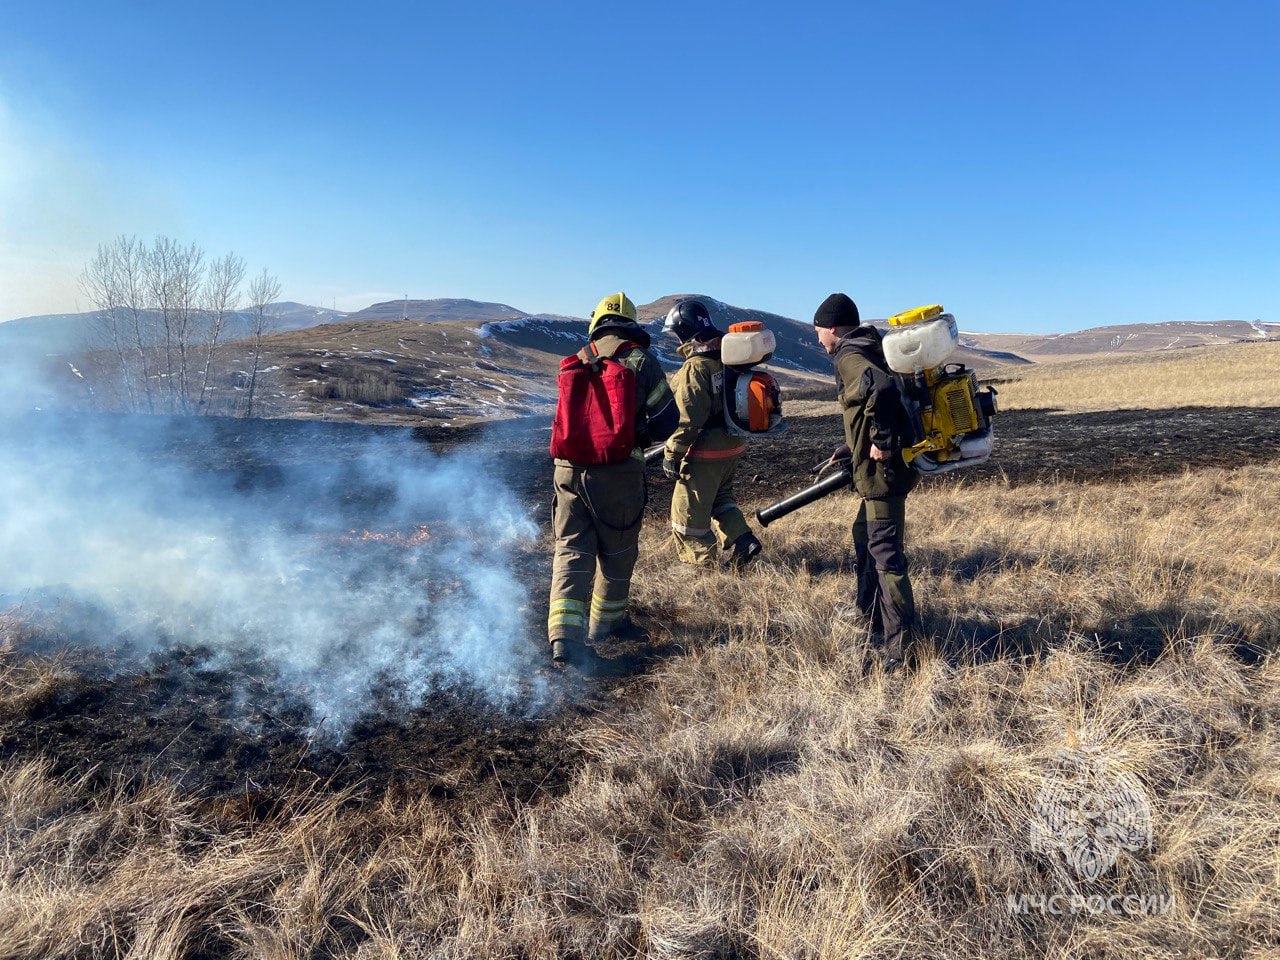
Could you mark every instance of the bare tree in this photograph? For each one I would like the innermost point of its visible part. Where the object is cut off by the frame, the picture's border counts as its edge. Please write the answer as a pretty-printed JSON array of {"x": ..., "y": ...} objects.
[
  {"x": 164, "y": 312},
  {"x": 159, "y": 279},
  {"x": 131, "y": 271},
  {"x": 264, "y": 291},
  {"x": 173, "y": 277},
  {"x": 220, "y": 297},
  {"x": 188, "y": 281},
  {"x": 116, "y": 281},
  {"x": 101, "y": 283}
]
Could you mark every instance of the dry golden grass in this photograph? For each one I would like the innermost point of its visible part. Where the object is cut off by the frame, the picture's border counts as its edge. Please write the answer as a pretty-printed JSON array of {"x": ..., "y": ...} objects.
[
  {"x": 770, "y": 792},
  {"x": 1200, "y": 550},
  {"x": 1235, "y": 375}
]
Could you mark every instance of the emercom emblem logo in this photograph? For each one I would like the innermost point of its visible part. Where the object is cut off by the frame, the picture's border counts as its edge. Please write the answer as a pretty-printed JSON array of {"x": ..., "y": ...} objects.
[{"x": 1088, "y": 811}]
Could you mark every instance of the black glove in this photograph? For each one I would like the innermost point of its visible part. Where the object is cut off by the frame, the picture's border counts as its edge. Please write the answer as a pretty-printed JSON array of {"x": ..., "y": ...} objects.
[
  {"x": 670, "y": 467},
  {"x": 840, "y": 460}
]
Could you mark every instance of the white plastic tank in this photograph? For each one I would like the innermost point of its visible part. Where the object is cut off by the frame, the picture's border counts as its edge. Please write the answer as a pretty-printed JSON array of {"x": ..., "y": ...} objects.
[
  {"x": 746, "y": 344},
  {"x": 921, "y": 345}
]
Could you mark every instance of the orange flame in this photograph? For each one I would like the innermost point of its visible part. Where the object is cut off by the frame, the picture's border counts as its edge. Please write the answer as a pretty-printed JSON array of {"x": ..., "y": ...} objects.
[{"x": 399, "y": 538}]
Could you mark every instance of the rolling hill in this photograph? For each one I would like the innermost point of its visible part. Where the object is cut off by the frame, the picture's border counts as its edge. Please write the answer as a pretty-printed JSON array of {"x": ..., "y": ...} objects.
[
  {"x": 433, "y": 311},
  {"x": 455, "y": 360},
  {"x": 1122, "y": 339},
  {"x": 60, "y": 333},
  {"x": 500, "y": 363},
  {"x": 462, "y": 360}
]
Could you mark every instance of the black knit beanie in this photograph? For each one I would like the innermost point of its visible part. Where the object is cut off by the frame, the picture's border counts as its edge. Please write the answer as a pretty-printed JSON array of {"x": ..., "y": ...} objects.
[{"x": 837, "y": 311}]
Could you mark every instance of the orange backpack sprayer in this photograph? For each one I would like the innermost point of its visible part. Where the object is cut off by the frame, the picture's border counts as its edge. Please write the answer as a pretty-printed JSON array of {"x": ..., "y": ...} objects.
[{"x": 752, "y": 399}]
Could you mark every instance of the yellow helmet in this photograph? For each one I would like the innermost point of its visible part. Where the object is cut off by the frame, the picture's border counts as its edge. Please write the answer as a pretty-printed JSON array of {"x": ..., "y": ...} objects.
[{"x": 616, "y": 306}]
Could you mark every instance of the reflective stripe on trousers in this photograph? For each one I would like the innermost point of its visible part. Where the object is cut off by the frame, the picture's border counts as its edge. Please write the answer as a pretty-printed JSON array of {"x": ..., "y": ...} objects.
[
  {"x": 593, "y": 558},
  {"x": 703, "y": 505},
  {"x": 607, "y": 611}
]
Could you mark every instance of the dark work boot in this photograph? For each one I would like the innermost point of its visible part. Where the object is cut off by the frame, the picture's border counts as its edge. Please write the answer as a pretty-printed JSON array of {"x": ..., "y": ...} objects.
[
  {"x": 895, "y": 651},
  {"x": 743, "y": 550},
  {"x": 568, "y": 653},
  {"x": 625, "y": 630}
]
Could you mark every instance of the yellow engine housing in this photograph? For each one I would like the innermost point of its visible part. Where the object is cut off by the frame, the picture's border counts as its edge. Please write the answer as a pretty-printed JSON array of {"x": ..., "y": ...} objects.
[
  {"x": 950, "y": 418},
  {"x": 952, "y": 412}
]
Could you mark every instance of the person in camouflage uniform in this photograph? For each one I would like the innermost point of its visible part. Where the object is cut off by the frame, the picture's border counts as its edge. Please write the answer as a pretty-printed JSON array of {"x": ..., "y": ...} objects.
[
  {"x": 701, "y": 455},
  {"x": 876, "y": 428},
  {"x": 598, "y": 510}
]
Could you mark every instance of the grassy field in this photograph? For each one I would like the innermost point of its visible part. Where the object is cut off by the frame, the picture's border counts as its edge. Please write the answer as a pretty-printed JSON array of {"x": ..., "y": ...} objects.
[
  {"x": 769, "y": 792},
  {"x": 1236, "y": 375}
]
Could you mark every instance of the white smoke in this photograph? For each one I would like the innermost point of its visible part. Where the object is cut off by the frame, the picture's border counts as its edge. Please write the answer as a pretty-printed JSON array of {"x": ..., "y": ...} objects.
[{"x": 245, "y": 537}]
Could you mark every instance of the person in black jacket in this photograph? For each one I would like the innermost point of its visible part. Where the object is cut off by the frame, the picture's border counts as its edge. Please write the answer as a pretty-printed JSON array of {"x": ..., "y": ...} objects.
[{"x": 876, "y": 429}]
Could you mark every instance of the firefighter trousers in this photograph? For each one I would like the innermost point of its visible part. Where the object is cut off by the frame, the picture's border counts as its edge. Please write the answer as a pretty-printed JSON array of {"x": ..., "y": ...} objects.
[
  {"x": 884, "y": 589},
  {"x": 702, "y": 506},
  {"x": 596, "y": 517}
]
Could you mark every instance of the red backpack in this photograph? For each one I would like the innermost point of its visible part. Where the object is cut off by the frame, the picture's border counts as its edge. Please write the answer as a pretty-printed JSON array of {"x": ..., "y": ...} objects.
[{"x": 596, "y": 413}]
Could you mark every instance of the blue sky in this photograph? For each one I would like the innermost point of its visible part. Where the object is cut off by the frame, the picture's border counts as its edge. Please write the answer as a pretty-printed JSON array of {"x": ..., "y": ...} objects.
[{"x": 1032, "y": 166}]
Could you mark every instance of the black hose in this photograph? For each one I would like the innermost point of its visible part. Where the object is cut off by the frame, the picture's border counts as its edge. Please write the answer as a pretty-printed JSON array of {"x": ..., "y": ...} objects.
[{"x": 839, "y": 480}]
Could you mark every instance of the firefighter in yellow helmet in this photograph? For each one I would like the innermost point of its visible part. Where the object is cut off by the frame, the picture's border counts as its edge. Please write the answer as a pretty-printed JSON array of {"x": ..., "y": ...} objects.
[
  {"x": 701, "y": 454},
  {"x": 598, "y": 510}
]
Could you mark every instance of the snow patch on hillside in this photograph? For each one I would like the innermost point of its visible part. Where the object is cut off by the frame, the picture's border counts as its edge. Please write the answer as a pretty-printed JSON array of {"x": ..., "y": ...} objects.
[{"x": 562, "y": 328}]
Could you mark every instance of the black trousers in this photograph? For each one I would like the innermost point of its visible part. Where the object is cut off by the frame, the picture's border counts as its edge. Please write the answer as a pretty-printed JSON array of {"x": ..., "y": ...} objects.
[{"x": 884, "y": 589}]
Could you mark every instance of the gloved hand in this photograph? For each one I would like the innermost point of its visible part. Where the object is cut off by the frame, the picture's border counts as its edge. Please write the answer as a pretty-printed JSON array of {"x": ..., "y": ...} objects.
[
  {"x": 670, "y": 467},
  {"x": 840, "y": 459}
]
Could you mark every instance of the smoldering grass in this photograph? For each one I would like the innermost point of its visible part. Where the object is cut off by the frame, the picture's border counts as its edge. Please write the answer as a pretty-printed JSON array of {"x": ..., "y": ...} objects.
[{"x": 161, "y": 552}]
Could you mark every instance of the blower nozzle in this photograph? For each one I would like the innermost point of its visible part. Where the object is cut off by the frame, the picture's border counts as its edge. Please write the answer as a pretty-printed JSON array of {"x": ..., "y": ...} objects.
[{"x": 838, "y": 480}]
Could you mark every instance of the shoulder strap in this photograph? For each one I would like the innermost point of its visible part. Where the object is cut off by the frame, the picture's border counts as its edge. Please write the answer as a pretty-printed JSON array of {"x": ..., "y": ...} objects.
[
  {"x": 623, "y": 347},
  {"x": 592, "y": 357}
]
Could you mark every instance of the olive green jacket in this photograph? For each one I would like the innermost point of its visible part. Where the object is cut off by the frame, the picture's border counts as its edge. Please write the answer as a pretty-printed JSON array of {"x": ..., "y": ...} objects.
[
  {"x": 698, "y": 387},
  {"x": 871, "y": 401}
]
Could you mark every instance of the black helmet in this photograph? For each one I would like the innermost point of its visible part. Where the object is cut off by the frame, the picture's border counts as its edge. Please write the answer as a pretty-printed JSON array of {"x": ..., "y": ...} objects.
[{"x": 689, "y": 320}]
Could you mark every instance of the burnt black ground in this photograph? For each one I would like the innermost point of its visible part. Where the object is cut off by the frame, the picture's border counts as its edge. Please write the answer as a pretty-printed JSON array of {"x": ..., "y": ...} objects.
[
  {"x": 226, "y": 728},
  {"x": 1039, "y": 445},
  {"x": 219, "y": 726}
]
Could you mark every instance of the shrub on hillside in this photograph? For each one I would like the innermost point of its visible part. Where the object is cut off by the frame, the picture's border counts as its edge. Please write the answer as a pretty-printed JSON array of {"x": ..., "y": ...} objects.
[{"x": 350, "y": 383}]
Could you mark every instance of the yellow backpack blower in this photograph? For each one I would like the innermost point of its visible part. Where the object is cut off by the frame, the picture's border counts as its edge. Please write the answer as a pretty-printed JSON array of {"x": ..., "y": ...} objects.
[{"x": 950, "y": 416}]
